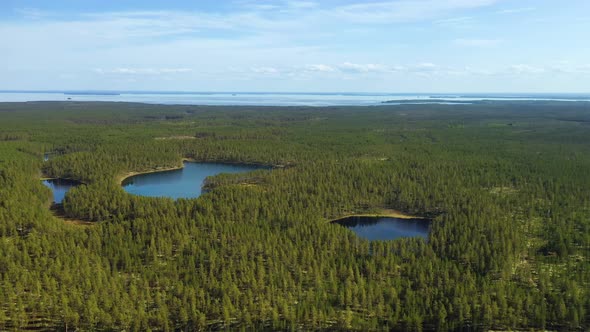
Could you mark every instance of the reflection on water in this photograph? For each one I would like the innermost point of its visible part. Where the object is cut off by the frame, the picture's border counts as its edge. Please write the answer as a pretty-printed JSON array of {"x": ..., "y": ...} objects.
[
  {"x": 59, "y": 187},
  {"x": 386, "y": 228},
  {"x": 181, "y": 183}
]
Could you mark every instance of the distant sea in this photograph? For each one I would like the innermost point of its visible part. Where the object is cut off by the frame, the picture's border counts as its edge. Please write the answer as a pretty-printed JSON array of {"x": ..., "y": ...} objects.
[{"x": 275, "y": 98}]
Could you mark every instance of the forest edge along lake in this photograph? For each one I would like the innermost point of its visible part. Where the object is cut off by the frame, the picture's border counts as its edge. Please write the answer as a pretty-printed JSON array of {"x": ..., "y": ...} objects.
[
  {"x": 184, "y": 181},
  {"x": 385, "y": 227},
  {"x": 192, "y": 182},
  {"x": 59, "y": 187}
]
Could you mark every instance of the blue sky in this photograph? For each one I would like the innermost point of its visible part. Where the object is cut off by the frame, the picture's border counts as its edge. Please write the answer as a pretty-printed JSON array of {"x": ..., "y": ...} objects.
[{"x": 243, "y": 45}]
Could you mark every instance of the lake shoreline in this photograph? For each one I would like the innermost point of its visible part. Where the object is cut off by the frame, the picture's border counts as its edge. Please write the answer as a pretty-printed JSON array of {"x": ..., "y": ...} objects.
[
  {"x": 46, "y": 178},
  {"x": 380, "y": 228},
  {"x": 121, "y": 178},
  {"x": 189, "y": 180},
  {"x": 384, "y": 213}
]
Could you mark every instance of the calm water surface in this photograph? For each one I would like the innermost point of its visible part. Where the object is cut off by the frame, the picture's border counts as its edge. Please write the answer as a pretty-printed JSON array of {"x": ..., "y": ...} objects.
[
  {"x": 386, "y": 228},
  {"x": 181, "y": 183},
  {"x": 268, "y": 98},
  {"x": 59, "y": 187}
]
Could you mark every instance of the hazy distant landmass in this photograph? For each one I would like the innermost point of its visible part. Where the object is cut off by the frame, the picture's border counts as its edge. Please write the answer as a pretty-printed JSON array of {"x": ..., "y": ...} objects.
[
  {"x": 548, "y": 96},
  {"x": 247, "y": 98},
  {"x": 91, "y": 93},
  {"x": 428, "y": 101}
]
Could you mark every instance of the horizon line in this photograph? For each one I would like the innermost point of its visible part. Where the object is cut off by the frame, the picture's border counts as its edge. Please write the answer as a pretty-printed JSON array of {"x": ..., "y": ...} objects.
[{"x": 65, "y": 91}]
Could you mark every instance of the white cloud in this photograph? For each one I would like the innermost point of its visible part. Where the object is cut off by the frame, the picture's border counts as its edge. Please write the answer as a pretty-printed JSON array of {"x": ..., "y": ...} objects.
[
  {"x": 516, "y": 10},
  {"x": 425, "y": 69},
  {"x": 32, "y": 13},
  {"x": 283, "y": 6},
  {"x": 325, "y": 43},
  {"x": 260, "y": 6},
  {"x": 478, "y": 71},
  {"x": 524, "y": 69},
  {"x": 265, "y": 70},
  {"x": 320, "y": 68},
  {"x": 425, "y": 66},
  {"x": 477, "y": 42},
  {"x": 456, "y": 21},
  {"x": 565, "y": 67},
  {"x": 143, "y": 71},
  {"x": 405, "y": 10},
  {"x": 348, "y": 70},
  {"x": 302, "y": 4},
  {"x": 363, "y": 68},
  {"x": 152, "y": 23},
  {"x": 287, "y": 17}
]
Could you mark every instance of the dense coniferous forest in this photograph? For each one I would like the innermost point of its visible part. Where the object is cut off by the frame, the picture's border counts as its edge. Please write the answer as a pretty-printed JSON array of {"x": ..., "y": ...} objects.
[{"x": 506, "y": 184}]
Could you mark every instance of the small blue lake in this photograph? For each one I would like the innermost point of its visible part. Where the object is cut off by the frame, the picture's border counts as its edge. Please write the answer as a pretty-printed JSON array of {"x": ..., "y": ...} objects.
[
  {"x": 385, "y": 228},
  {"x": 59, "y": 187},
  {"x": 182, "y": 183}
]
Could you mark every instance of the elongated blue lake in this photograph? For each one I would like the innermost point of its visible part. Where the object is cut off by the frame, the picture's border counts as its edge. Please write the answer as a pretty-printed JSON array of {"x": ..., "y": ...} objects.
[
  {"x": 385, "y": 228},
  {"x": 182, "y": 183},
  {"x": 59, "y": 187}
]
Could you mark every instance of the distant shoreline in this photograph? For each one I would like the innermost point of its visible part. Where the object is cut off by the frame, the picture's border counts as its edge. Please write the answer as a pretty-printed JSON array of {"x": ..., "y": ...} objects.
[
  {"x": 121, "y": 178},
  {"x": 276, "y": 99},
  {"x": 91, "y": 94},
  {"x": 385, "y": 213}
]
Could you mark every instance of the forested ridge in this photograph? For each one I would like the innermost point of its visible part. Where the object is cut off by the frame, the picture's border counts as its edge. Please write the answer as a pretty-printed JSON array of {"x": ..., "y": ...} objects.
[{"x": 506, "y": 184}]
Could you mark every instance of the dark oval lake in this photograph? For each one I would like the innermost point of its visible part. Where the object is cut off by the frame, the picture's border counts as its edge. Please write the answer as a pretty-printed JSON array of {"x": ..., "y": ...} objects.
[
  {"x": 181, "y": 183},
  {"x": 59, "y": 187},
  {"x": 385, "y": 228}
]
